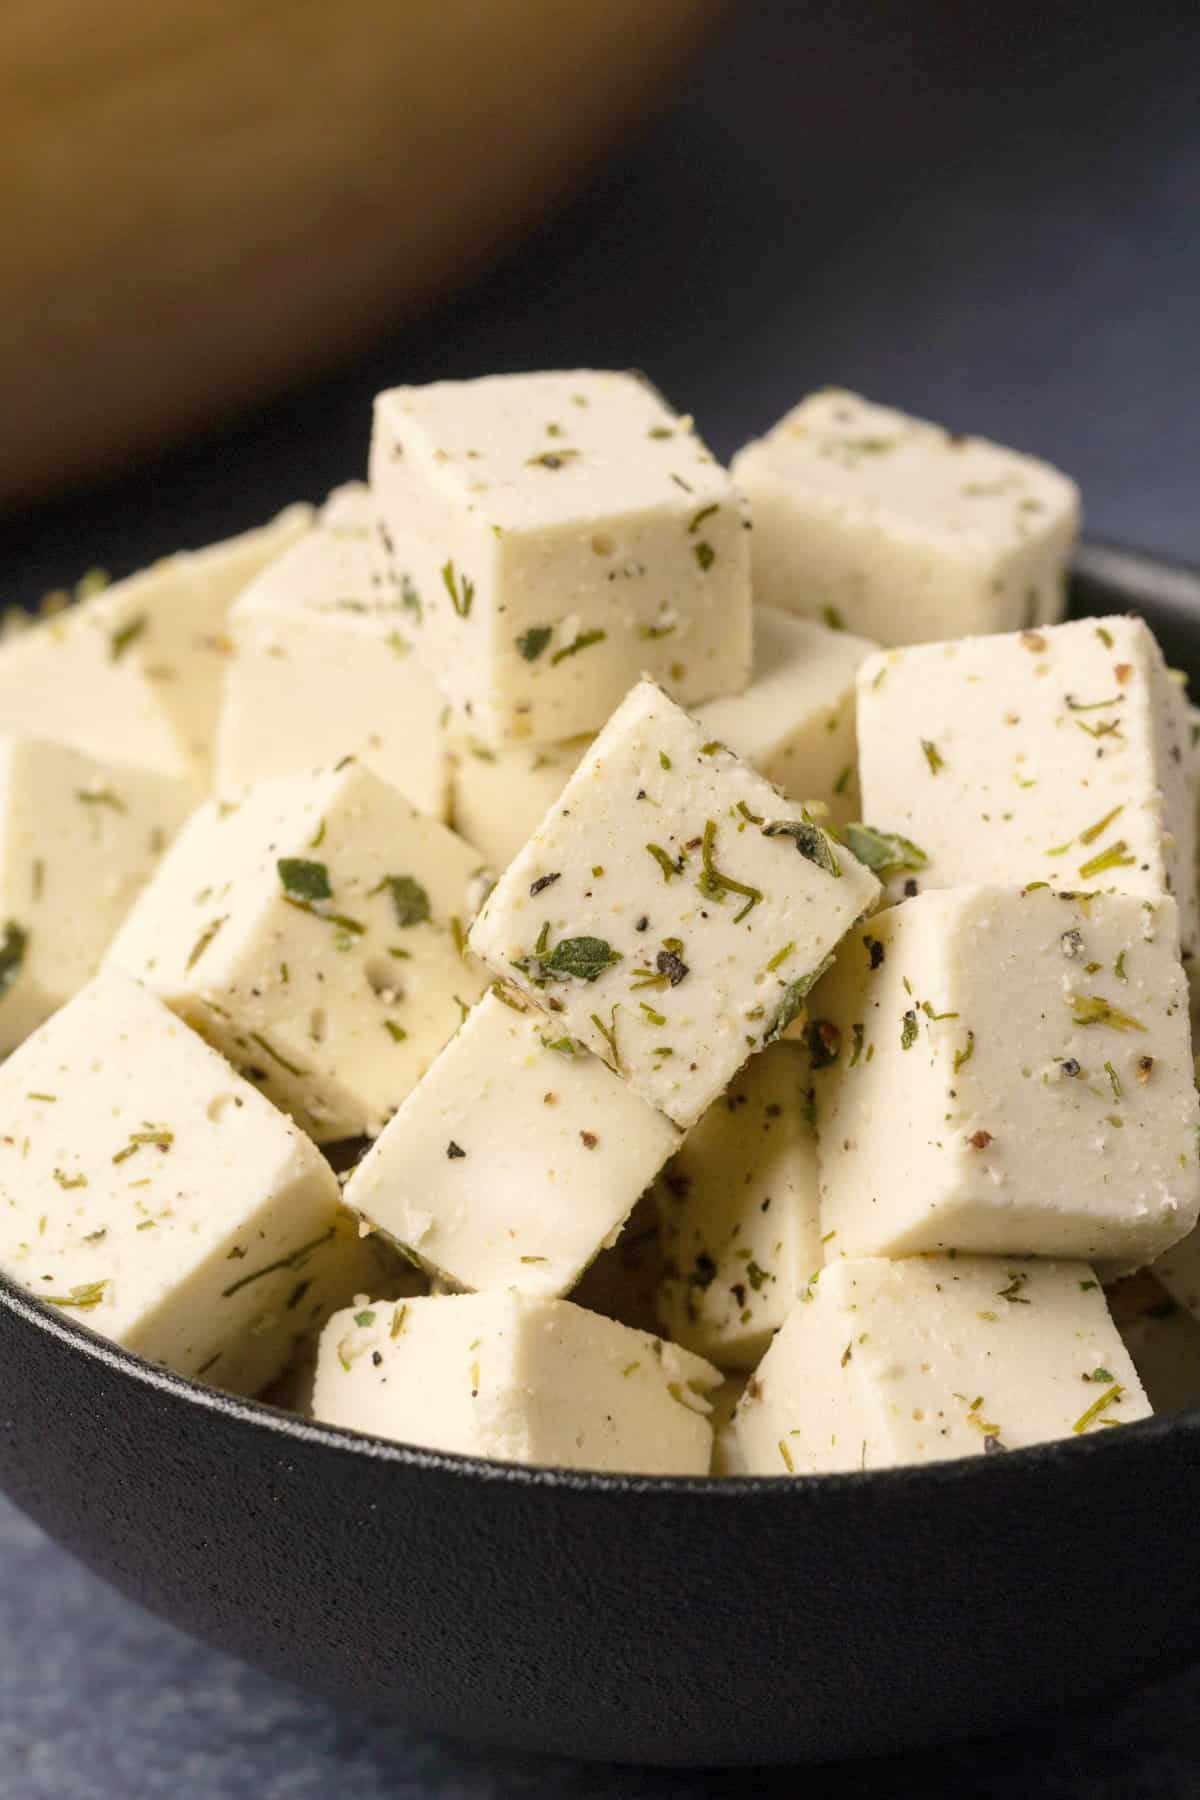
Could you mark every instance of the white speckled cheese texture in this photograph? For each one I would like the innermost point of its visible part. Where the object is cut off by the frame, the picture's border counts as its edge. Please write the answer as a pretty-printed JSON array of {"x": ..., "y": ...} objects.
[
  {"x": 135, "y": 672},
  {"x": 1060, "y": 755},
  {"x": 518, "y": 1379},
  {"x": 319, "y": 668},
  {"x": 672, "y": 909},
  {"x": 739, "y": 1213},
  {"x": 558, "y": 535},
  {"x": 933, "y": 1358},
  {"x": 899, "y": 530},
  {"x": 515, "y": 1159},
  {"x": 795, "y": 723},
  {"x": 149, "y": 1192},
  {"x": 501, "y": 796},
  {"x": 1008, "y": 1072},
  {"x": 78, "y": 839},
  {"x": 314, "y": 934}
]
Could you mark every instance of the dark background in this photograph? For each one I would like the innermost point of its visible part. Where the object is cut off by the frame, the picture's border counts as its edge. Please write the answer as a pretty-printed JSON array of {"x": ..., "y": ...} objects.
[{"x": 988, "y": 214}]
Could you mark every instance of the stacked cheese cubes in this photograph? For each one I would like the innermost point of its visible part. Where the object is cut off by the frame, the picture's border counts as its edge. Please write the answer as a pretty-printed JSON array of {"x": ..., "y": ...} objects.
[{"x": 712, "y": 1126}]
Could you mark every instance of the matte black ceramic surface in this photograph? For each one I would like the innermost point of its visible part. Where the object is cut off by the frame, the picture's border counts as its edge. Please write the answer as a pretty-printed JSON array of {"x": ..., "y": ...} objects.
[{"x": 644, "y": 1620}]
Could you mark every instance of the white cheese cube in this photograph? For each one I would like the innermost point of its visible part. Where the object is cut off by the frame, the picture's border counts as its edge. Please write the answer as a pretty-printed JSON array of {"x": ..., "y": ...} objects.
[
  {"x": 739, "y": 1213},
  {"x": 313, "y": 934},
  {"x": 1058, "y": 755},
  {"x": 320, "y": 670},
  {"x": 673, "y": 909},
  {"x": 558, "y": 535},
  {"x": 515, "y": 1159},
  {"x": 519, "y": 1379},
  {"x": 151, "y": 1193},
  {"x": 78, "y": 838},
  {"x": 902, "y": 531},
  {"x": 1008, "y": 1071},
  {"x": 501, "y": 796},
  {"x": 795, "y": 722},
  {"x": 932, "y": 1358},
  {"x": 135, "y": 672}
]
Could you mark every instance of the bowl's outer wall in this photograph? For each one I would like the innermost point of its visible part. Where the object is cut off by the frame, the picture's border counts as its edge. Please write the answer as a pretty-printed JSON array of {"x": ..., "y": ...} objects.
[{"x": 672, "y": 1622}]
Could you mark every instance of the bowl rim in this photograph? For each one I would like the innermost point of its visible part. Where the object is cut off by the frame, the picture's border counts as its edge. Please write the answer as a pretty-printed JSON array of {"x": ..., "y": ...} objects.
[{"x": 1173, "y": 584}]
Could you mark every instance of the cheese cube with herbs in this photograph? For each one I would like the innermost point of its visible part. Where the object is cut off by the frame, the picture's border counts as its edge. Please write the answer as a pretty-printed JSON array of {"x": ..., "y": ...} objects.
[
  {"x": 1058, "y": 755},
  {"x": 901, "y": 531},
  {"x": 672, "y": 909},
  {"x": 319, "y": 668},
  {"x": 135, "y": 670},
  {"x": 515, "y": 1159},
  {"x": 1005, "y": 1071},
  {"x": 796, "y": 721},
  {"x": 314, "y": 933},
  {"x": 932, "y": 1358},
  {"x": 739, "y": 1213},
  {"x": 78, "y": 839},
  {"x": 501, "y": 796},
  {"x": 150, "y": 1192},
  {"x": 555, "y": 536},
  {"x": 519, "y": 1379}
]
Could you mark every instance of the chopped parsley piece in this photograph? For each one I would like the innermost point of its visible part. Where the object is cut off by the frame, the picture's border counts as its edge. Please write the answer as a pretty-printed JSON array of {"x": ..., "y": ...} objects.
[
  {"x": 85, "y": 1296},
  {"x": 824, "y": 1043},
  {"x": 933, "y": 756},
  {"x": 809, "y": 840},
  {"x": 531, "y": 643},
  {"x": 704, "y": 554},
  {"x": 295, "y": 1260},
  {"x": 609, "y": 1034},
  {"x": 908, "y": 1029},
  {"x": 584, "y": 641},
  {"x": 1094, "y": 1411},
  {"x": 964, "y": 1056},
  {"x": 1115, "y": 857},
  {"x": 304, "y": 880},
  {"x": 460, "y": 600},
  {"x": 410, "y": 902},
  {"x": 884, "y": 852},
  {"x": 1092, "y": 1009},
  {"x": 204, "y": 940},
  {"x": 714, "y": 885},
  {"x": 127, "y": 635},
  {"x": 669, "y": 866},
  {"x": 256, "y": 1037},
  {"x": 794, "y": 996}
]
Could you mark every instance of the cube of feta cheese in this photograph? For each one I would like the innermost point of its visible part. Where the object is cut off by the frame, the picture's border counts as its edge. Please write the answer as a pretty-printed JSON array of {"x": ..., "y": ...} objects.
[
  {"x": 795, "y": 722},
  {"x": 673, "y": 909},
  {"x": 1057, "y": 755},
  {"x": 78, "y": 838},
  {"x": 739, "y": 1213},
  {"x": 519, "y": 1379},
  {"x": 558, "y": 535},
  {"x": 135, "y": 672},
  {"x": 1008, "y": 1071},
  {"x": 932, "y": 1358},
  {"x": 501, "y": 796},
  {"x": 313, "y": 934},
  {"x": 902, "y": 531},
  {"x": 319, "y": 669},
  {"x": 515, "y": 1159},
  {"x": 150, "y": 1192}
]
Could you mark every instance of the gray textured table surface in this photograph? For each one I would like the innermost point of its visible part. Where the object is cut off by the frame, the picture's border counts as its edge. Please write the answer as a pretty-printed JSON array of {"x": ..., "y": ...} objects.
[{"x": 972, "y": 211}]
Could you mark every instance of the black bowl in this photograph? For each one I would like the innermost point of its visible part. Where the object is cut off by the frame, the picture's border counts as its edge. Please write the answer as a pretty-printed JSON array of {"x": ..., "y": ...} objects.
[{"x": 672, "y": 1621}]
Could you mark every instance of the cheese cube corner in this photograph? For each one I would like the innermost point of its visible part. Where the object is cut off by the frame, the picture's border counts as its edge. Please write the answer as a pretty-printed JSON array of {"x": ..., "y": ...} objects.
[
  {"x": 936, "y": 1357},
  {"x": 902, "y": 531},
  {"x": 518, "y": 1379},
  {"x": 556, "y": 536},
  {"x": 79, "y": 837},
  {"x": 515, "y": 1160},
  {"x": 673, "y": 909},
  {"x": 151, "y": 1193},
  {"x": 501, "y": 796},
  {"x": 1061, "y": 755},
  {"x": 1007, "y": 1071},
  {"x": 313, "y": 933},
  {"x": 319, "y": 668}
]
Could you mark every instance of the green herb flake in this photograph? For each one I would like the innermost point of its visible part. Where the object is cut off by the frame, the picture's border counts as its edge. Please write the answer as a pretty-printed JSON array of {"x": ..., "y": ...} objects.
[
  {"x": 810, "y": 841},
  {"x": 126, "y": 635},
  {"x": 580, "y": 958},
  {"x": 833, "y": 618},
  {"x": 364, "y": 1319},
  {"x": 531, "y": 643},
  {"x": 609, "y": 1034},
  {"x": 1099, "y": 1374},
  {"x": 706, "y": 512},
  {"x": 460, "y": 598},
  {"x": 859, "y": 1033},
  {"x": 714, "y": 885},
  {"x": 908, "y": 1029},
  {"x": 12, "y": 954},
  {"x": 104, "y": 796},
  {"x": 584, "y": 641},
  {"x": 964, "y": 1056},
  {"x": 1107, "y": 1399},
  {"x": 396, "y": 1032},
  {"x": 304, "y": 880},
  {"x": 203, "y": 941},
  {"x": 1093, "y": 1009},
  {"x": 704, "y": 554},
  {"x": 410, "y": 902},
  {"x": 268, "y": 1049},
  {"x": 884, "y": 852},
  {"x": 83, "y": 1297},
  {"x": 294, "y": 1260},
  {"x": 933, "y": 756},
  {"x": 1115, "y": 857},
  {"x": 1094, "y": 831}
]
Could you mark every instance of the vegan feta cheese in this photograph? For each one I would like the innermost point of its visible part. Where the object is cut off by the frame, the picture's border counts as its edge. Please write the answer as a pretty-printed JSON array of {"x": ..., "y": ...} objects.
[
  {"x": 795, "y": 722},
  {"x": 1058, "y": 755},
  {"x": 135, "y": 671},
  {"x": 314, "y": 933},
  {"x": 515, "y": 1159},
  {"x": 739, "y": 1213},
  {"x": 932, "y": 1358},
  {"x": 1007, "y": 1071},
  {"x": 519, "y": 1379},
  {"x": 902, "y": 531},
  {"x": 673, "y": 909},
  {"x": 78, "y": 838},
  {"x": 556, "y": 536},
  {"x": 320, "y": 669},
  {"x": 149, "y": 1192},
  {"x": 501, "y": 796}
]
